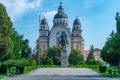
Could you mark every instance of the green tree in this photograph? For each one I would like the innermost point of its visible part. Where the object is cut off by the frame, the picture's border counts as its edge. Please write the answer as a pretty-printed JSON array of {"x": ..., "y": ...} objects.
[
  {"x": 111, "y": 50},
  {"x": 38, "y": 51},
  {"x": 6, "y": 44},
  {"x": 75, "y": 57},
  {"x": 26, "y": 50},
  {"x": 52, "y": 54},
  {"x": 90, "y": 55}
]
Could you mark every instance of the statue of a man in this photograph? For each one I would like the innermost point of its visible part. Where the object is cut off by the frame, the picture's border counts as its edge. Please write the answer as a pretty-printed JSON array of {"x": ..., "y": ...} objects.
[
  {"x": 63, "y": 41},
  {"x": 117, "y": 18}
]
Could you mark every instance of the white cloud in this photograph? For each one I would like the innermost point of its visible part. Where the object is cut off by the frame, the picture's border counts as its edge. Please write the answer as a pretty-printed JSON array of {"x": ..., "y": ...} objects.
[
  {"x": 16, "y": 8},
  {"x": 49, "y": 16}
]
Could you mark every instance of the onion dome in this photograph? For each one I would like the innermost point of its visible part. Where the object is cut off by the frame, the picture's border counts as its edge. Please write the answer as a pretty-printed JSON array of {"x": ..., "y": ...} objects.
[
  {"x": 76, "y": 22},
  {"x": 60, "y": 13},
  {"x": 44, "y": 22}
]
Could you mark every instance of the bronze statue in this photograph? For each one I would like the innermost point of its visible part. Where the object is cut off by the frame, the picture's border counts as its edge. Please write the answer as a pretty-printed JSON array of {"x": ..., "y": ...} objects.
[{"x": 63, "y": 41}]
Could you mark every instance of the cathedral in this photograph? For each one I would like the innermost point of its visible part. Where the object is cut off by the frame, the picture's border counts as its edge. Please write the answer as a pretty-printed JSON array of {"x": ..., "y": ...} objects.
[{"x": 49, "y": 38}]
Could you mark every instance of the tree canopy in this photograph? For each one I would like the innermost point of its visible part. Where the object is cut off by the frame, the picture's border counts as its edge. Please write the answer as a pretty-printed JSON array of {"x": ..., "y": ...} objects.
[
  {"x": 90, "y": 55},
  {"x": 51, "y": 56},
  {"x": 6, "y": 44},
  {"x": 111, "y": 50},
  {"x": 12, "y": 44}
]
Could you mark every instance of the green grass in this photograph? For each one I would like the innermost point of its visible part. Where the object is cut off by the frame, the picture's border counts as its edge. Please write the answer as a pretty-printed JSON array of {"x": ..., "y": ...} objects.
[
  {"x": 2, "y": 76},
  {"x": 49, "y": 66},
  {"x": 96, "y": 68}
]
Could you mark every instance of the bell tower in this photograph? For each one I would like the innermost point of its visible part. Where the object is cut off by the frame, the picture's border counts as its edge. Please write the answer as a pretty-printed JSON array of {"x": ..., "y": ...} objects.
[
  {"x": 44, "y": 34},
  {"x": 77, "y": 39}
]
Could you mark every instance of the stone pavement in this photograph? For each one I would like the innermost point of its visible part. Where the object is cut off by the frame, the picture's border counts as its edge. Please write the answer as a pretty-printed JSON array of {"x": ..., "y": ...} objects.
[
  {"x": 63, "y": 71},
  {"x": 61, "y": 74}
]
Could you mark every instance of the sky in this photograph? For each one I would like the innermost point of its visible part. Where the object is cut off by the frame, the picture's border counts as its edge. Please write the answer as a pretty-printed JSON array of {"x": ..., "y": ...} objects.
[{"x": 97, "y": 17}]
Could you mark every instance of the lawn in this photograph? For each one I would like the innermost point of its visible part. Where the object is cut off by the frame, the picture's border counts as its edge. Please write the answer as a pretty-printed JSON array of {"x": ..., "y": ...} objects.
[
  {"x": 2, "y": 76},
  {"x": 96, "y": 68}
]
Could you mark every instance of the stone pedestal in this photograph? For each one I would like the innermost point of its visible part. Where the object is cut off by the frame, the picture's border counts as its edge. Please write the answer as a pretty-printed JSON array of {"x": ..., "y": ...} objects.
[{"x": 64, "y": 59}]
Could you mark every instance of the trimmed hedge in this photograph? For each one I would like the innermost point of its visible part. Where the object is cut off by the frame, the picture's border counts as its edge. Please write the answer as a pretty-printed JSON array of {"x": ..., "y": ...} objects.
[{"x": 16, "y": 63}]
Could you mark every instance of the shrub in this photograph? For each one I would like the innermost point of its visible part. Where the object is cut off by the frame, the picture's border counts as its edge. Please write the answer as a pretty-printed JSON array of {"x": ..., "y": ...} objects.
[
  {"x": 99, "y": 62},
  {"x": 32, "y": 63},
  {"x": 82, "y": 63},
  {"x": 49, "y": 61},
  {"x": 3, "y": 69},
  {"x": 91, "y": 62},
  {"x": 94, "y": 62},
  {"x": 75, "y": 57},
  {"x": 102, "y": 69}
]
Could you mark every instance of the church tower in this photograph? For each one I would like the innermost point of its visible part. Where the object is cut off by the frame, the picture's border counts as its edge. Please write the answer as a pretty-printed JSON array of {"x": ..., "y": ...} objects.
[
  {"x": 60, "y": 25},
  {"x": 44, "y": 32},
  {"x": 61, "y": 18},
  {"x": 77, "y": 39}
]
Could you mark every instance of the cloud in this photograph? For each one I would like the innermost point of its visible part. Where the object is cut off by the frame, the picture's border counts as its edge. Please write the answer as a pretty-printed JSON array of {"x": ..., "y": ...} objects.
[
  {"x": 16, "y": 8},
  {"x": 49, "y": 16}
]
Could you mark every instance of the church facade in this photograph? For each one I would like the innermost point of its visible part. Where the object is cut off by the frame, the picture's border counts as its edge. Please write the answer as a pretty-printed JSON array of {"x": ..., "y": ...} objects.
[{"x": 49, "y": 38}]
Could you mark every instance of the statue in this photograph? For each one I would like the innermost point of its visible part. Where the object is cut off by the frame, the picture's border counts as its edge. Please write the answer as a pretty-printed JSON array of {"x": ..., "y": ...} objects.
[
  {"x": 63, "y": 41},
  {"x": 117, "y": 18}
]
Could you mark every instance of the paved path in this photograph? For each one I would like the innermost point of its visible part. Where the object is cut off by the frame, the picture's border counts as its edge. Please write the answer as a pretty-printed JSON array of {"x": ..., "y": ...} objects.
[
  {"x": 61, "y": 74},
  {"x": 63, "y": 71}
]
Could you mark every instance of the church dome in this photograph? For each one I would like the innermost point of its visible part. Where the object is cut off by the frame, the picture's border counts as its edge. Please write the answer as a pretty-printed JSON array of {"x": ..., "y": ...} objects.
[
  {"x": 44, "y": 22},
  {"x": 60, "y": 13},
  {"x": 76, "y": 22}
]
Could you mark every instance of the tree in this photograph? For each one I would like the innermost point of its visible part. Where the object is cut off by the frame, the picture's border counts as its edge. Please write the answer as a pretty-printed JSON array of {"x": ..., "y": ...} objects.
[
  {"x": 6, "y": 44},
  {"x": 75, "y": 57},
  {"x": 111, "y": 50},
  {"x": 52, "y": 56},
  {"x": 38, "y": 51},
  {"x": 26, "y": 50},
  {"x": 91, "y": 56}
]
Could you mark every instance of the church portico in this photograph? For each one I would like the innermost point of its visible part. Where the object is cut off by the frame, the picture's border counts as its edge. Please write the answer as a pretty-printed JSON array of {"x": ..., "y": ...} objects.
[{"x": 56, "y": 33}]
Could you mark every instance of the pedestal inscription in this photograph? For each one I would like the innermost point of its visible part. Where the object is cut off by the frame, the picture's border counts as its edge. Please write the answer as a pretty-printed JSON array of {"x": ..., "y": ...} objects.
[{"x": 64, "y": 59}]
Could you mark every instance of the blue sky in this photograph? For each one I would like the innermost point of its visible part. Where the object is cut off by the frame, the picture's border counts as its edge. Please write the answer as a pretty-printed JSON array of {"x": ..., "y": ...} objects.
[{"x": 97, "y": 17}]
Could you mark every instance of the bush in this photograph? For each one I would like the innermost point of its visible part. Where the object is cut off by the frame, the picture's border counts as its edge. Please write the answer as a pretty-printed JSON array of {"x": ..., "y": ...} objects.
[
  {"x": 91, "y": 62},
  {"x": 102, "y": 69},
  {"x": 98, "y": 62},
  {"x": 32, "y": 63},
  {"x": 82, "y": 63},
  {"x": 49, "y": 61},
  {"x": 94, "y": 62},
  {"x": 75, "y": 57},
  {"x": 3, "y": 69}
]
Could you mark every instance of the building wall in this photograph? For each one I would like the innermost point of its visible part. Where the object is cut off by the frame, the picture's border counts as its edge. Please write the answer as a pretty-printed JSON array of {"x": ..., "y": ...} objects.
[
  {"x": 77, "y": 44},
  {"x": 44, "y": 42}
]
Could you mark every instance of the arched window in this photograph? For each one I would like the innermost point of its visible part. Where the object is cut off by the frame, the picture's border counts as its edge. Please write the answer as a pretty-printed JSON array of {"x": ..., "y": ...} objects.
[
  {"x": 43, "y": 27},
  {"x": 63, "y": 23},
  {"x": 57, "y": 23},
  {"x": 60, "y": 23}
]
